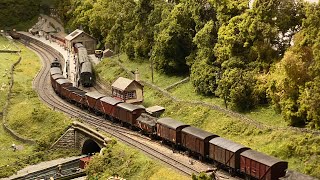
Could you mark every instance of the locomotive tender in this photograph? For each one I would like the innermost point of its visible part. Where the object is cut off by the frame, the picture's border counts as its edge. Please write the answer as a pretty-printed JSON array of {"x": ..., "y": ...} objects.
[{"x": 207, "y": 146}]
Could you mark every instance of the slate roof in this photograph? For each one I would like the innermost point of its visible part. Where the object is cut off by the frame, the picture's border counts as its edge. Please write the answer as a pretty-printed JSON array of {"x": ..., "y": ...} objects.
[
  {"x": 227, "y": 144},
  {"x": 122, "y": 83},
  {"x": 75, "y": 34}
]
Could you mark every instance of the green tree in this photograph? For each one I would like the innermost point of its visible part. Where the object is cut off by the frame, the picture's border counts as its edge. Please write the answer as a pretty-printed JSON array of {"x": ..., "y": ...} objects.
[{"x": 13, "y": 13}]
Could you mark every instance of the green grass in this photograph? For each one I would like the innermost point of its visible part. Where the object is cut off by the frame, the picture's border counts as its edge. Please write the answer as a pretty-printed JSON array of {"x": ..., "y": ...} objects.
[
  {"x": 144, "y": 67},
  {"x": 300, "y": 149},
  {"x": 129, "y": 164},
  {"x": 27, "y": 115}
]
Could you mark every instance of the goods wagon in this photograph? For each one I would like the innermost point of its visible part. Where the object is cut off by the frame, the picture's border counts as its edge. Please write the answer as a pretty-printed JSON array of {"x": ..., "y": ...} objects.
[
  {"x": 262, "y": 166},
  {"x": 107, "y": 106},
  {"x": 91, "y": 99},
  {"x": 147, "y": 124},
  {"x": 169, "y": 130},
  {"x": 196, "y": 141},
  {"x": 62, "y": 83},
  {"x": 128, "y": 113},
  {"x": 226, "y": 152},
  {"x": 54, "y": 78},
  {"x": 55, "y": 70},
  {"x": 74, "y": 95}
]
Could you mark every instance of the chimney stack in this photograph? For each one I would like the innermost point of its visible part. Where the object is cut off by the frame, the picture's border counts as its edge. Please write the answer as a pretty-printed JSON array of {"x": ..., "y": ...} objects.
[{"x": 137, "y": 75}]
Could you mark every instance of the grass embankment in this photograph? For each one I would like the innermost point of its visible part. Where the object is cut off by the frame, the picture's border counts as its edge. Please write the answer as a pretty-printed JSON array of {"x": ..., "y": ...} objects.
[
  {"x": 129, "y": 164},
  {"x": 301, "y": 150},
  {"x": 26, "y": 115}
]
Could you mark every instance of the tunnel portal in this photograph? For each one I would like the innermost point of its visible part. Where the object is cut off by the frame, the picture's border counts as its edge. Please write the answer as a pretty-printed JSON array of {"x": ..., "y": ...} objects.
[{"x": 90, "y": 147}]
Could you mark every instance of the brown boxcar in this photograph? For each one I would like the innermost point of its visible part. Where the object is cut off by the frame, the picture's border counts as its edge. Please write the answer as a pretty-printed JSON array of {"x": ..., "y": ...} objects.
[
  {"x": 74, "y": 95},
  {"x": 54, "y": 78},
  {"x": 128, "y": 113},
  {"x": 170, "y": 130},
  {"x": 91, "y": 99},
  {"x": 55, "y": 70},
  {"x": 262, "y": 166},
  {"x": 196, "y": 140},
  {"x": 146, "y": 123},
  {"x": 106, "y": 106},
  {"x": 62, "y": 83},
  {"x": 84, "y": 162},
  {"x": 226, "y": 152}
]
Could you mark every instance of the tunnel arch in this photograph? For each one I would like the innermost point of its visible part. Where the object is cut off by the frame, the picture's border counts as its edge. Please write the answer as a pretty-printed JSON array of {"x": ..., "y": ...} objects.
[{"x": 89, "y": 147}]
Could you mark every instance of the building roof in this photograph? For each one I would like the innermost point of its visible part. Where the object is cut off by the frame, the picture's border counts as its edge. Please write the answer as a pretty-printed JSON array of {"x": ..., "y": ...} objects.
[
  {"x": 260, "y": 157},
  {"x": 227, "y": 144},
  {"x": 198, "y": 132},
  {"x": 75, "y": 34},
  {"x": 110, "y": 100},
  {"x": 46, "y": 27},
  {"x": 129, "y": 107},
  {"x": 95, "y": 95},
  {"x": 122, "y": 83},
  {"x": 171, "y": 123}
]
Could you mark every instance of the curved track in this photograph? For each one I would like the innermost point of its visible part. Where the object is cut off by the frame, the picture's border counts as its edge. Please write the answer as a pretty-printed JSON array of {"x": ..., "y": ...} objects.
[{"x": 42, "y": 85}]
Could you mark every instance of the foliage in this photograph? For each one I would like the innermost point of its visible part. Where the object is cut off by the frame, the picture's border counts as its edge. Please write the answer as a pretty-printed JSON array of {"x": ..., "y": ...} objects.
[
  {"x": 13, "y": 13},
  {"x": 299, "y": 148},
  {"x": 225, "y": 46},
  {"x": 125, "y": 162}
]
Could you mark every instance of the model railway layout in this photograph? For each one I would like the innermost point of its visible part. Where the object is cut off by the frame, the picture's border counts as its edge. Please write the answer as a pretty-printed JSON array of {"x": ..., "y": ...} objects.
[{"x": 234, "y": 157}]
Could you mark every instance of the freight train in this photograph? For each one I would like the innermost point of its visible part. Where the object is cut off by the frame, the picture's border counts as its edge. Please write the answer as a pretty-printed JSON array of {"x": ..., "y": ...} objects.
[{"x": 234, "y": 157}]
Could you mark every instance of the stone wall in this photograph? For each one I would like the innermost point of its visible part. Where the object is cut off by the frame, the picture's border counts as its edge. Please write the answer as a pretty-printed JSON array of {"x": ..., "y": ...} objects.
[
  {"x": 5, "y": 109},
  {"x": 67, "y": 140}
]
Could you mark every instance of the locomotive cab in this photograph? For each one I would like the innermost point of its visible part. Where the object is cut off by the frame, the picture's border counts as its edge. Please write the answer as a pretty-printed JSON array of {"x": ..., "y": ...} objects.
[{"x": 56, "y": 63}]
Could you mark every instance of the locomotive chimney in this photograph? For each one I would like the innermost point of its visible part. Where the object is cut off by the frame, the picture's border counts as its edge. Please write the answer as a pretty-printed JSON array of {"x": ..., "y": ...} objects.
[{"x": 137, "y": 75}]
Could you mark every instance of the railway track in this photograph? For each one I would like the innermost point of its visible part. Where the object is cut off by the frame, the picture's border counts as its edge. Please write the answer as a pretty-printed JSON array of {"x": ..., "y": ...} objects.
[{"x": 42, "y": 85}]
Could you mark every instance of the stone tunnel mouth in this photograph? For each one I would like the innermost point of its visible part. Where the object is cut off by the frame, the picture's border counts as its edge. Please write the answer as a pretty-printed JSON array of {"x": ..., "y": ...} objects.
[{"x": 90, "y": 147}]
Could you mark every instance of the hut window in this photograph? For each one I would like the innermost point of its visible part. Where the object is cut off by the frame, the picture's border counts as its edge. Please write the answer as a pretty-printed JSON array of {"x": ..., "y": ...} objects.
[{"x": 131, "y": 95}]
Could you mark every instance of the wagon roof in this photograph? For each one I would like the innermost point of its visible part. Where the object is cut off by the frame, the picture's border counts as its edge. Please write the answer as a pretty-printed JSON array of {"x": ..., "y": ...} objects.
[
  {"x": 198, "y": 132},
  {"x": 63, "y": 81},
  {"x": 147, "y": 119},
  {"x": 260, "y": 157},
  {"x": 129, "y": 107},
  {"x": 110, "y": 100},
  {"x": 172, "y": 123},
  {"x": 55, "y": 70},
  {"x": 227, "y": 144},
  {"x": 58, "y": 76},
  {"x": 72, "y": 88},
  {"x": 95, "y": 95}
]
